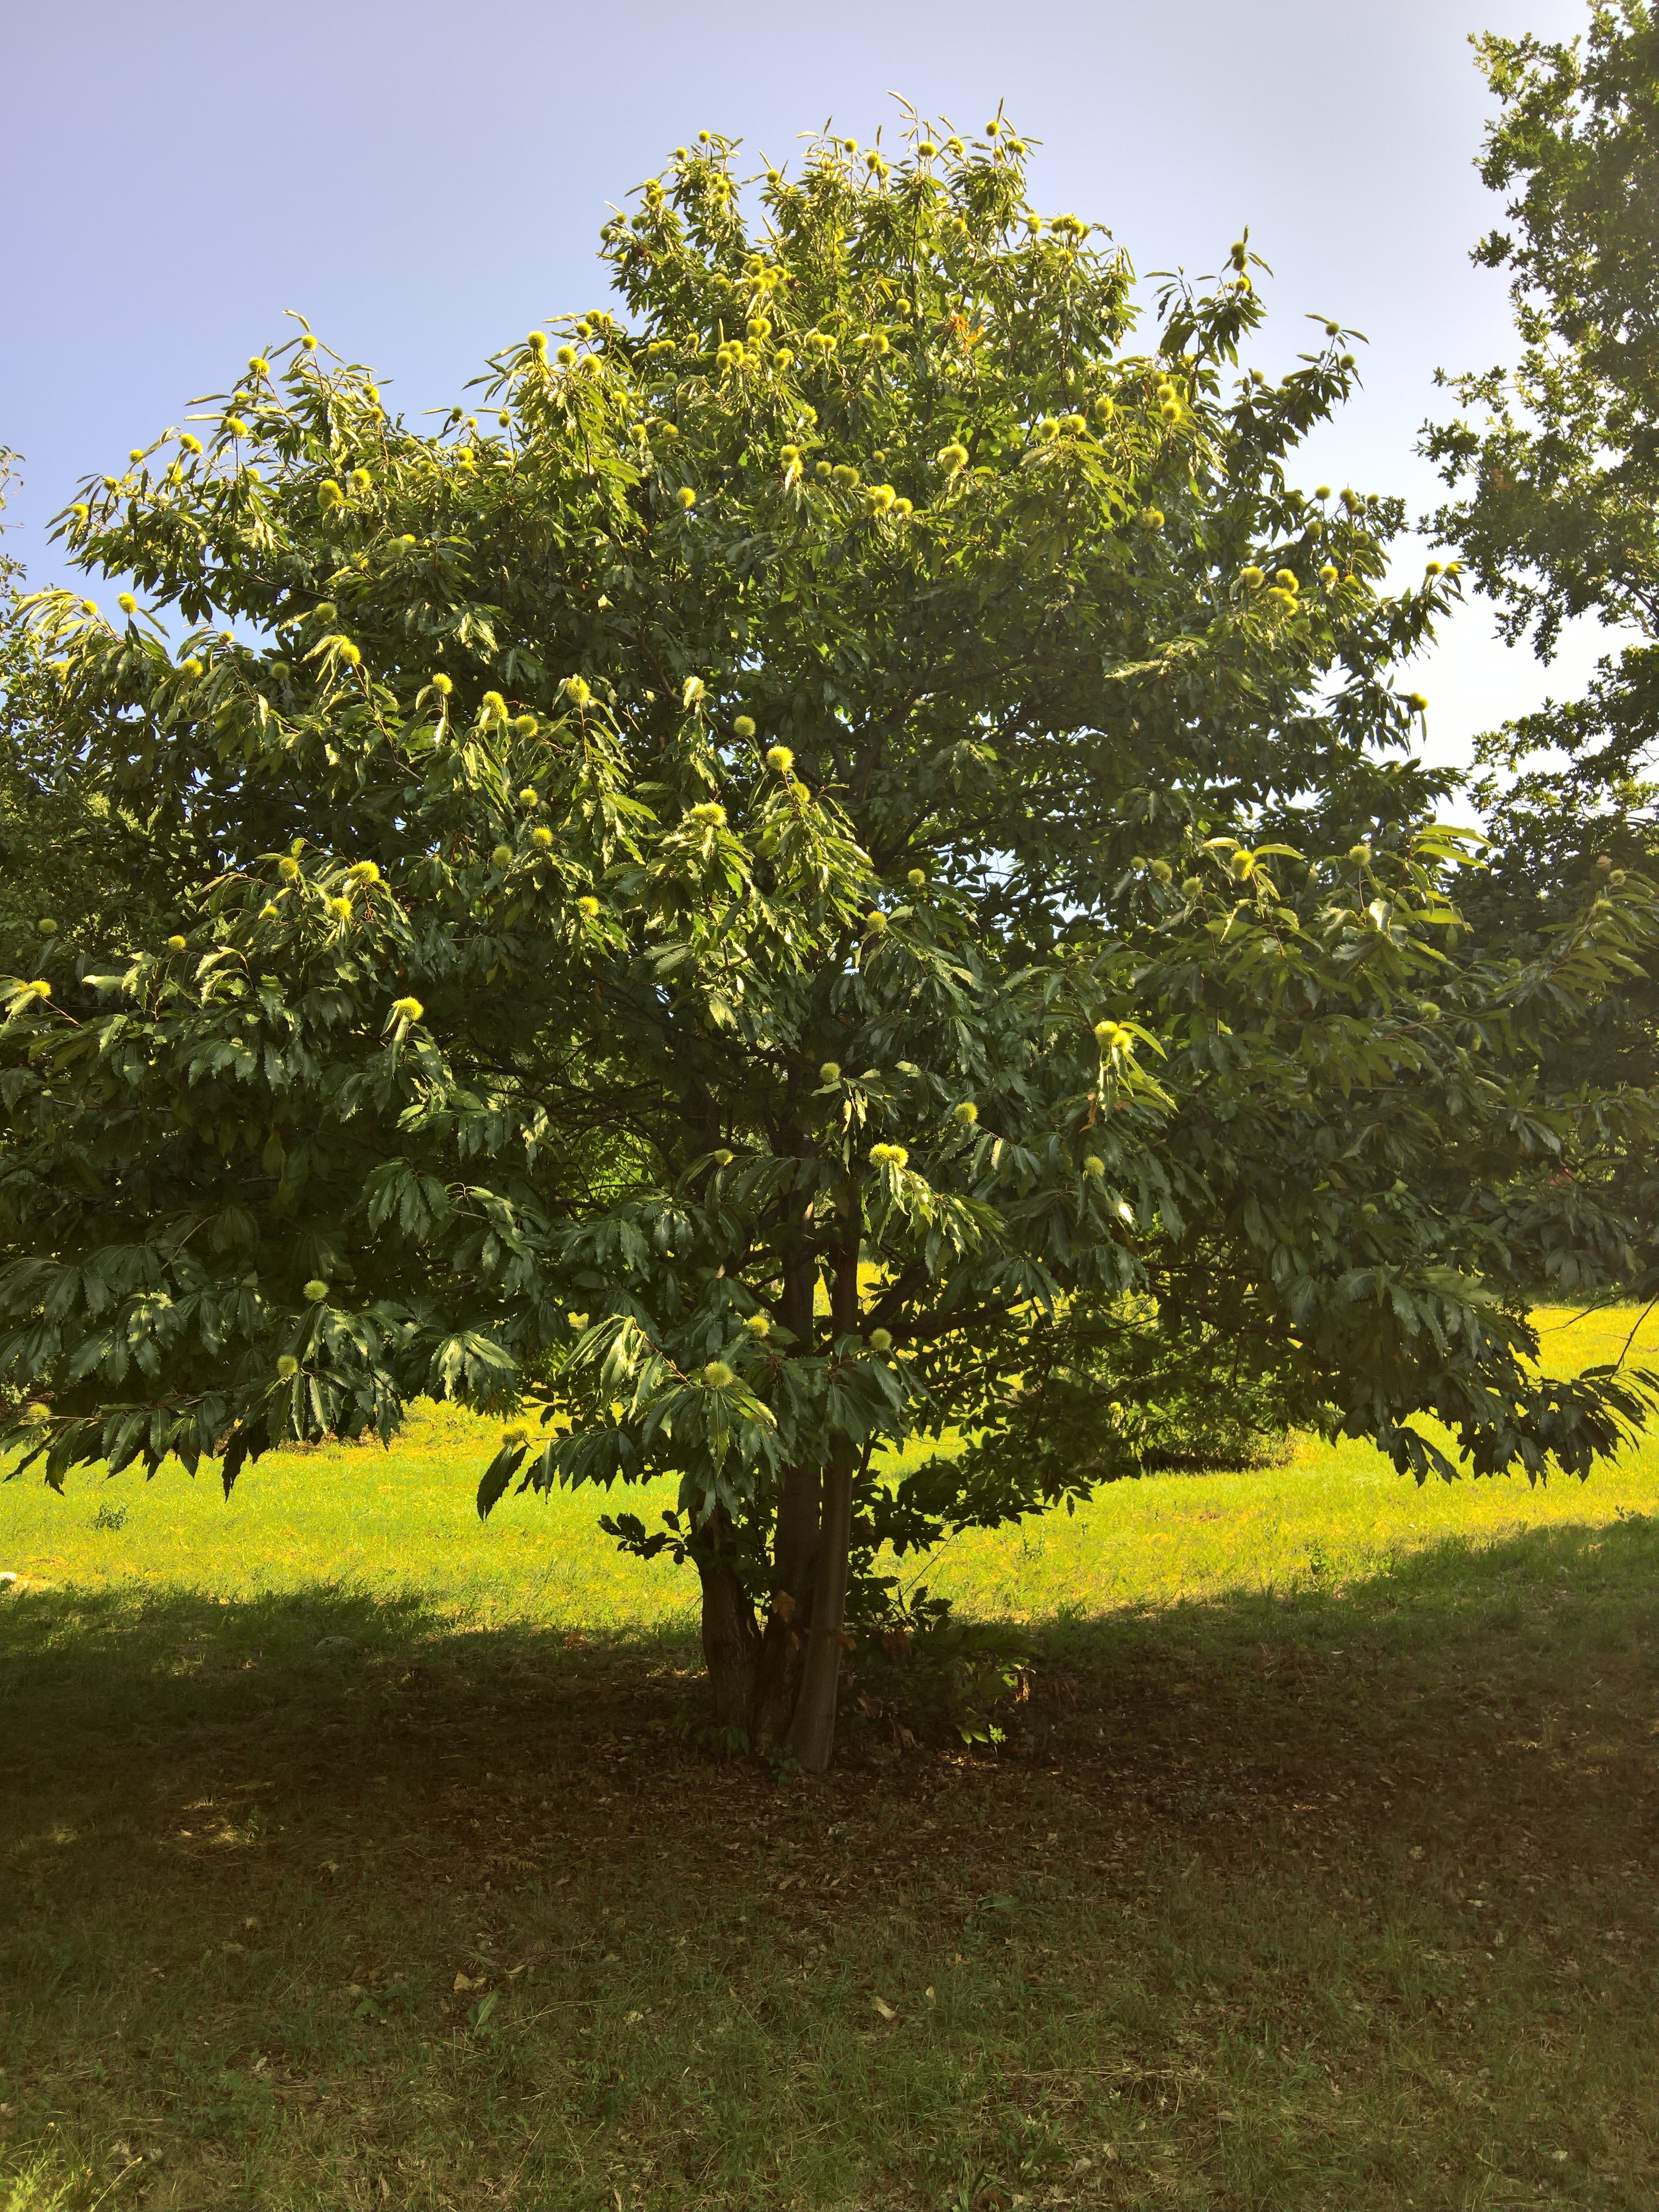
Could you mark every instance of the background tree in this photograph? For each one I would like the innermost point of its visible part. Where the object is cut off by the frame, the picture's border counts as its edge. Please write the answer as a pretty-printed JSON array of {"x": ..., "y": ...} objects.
[
  {"x": 842, "y": 858},
  {"x": 1556, "y": 505}
]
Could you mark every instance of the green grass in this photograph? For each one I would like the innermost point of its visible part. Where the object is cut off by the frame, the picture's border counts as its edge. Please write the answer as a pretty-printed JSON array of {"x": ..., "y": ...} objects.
[
  {"x": 1318, "y": 1869},
  {"x": 402, "y": 1522}
]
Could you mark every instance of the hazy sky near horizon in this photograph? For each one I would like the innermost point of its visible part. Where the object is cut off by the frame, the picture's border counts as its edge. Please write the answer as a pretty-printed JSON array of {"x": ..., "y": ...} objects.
[{"x": 425, "y": 183}]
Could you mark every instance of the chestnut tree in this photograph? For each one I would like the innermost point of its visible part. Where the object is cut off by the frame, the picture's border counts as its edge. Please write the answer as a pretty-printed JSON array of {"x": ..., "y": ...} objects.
[{"x": 838, "y": 858}]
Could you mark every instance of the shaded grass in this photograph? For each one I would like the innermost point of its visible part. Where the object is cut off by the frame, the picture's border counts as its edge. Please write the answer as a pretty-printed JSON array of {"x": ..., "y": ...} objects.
[{"x": 1292, "y": 1889}]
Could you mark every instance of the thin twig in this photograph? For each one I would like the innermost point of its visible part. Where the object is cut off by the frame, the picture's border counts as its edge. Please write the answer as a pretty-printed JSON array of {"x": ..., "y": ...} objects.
[{"x": 1630, "y": 1338}]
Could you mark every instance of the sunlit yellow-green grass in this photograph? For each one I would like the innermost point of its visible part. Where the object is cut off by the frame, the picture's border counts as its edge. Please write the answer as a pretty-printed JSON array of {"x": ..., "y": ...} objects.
[{"x": 402, "y": 1521}]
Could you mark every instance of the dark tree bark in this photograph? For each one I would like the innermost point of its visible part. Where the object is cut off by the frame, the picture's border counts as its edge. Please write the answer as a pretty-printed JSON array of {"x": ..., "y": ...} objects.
[
  {"x": 773, "y": 1681},
  {"x": 813, "y": 1730},
  {"x": 755, "y": 1667},
  {"x": 731, "y": 1645},
  {"x": 783, "y": 1643}
]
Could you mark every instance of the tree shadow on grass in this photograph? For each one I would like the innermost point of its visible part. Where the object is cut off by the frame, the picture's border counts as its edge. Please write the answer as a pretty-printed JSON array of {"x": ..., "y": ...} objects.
[
  {"x": 178, "y": 1714},
  {"x": 262, "y": 1856},
  {"x": 1522, "y": 1651}
]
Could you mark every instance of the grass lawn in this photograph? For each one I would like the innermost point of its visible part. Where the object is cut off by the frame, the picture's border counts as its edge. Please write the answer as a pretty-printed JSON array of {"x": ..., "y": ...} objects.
[{"x": 357, "y": 1853}]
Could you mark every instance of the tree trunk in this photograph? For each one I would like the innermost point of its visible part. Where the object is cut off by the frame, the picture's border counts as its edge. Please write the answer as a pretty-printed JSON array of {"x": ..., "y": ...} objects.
[
  {"x": 754, "y": 1668},
  {"x": 731, "y": 1649},
  {"x": 776, "y": 1681},
  {"x": 794, "y": 1551},
  {"x": 812, "y": 1731}
]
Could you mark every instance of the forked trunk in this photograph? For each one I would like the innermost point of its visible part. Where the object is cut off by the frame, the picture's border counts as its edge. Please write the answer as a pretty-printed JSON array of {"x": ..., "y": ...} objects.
[
  {"x": 783, "y": 1645},
  {"x": 812, "y": 1731},
  {"x": 775, "y": 1682},
  {"x": 755, "y": 1667},
  {"x": 731, "y": 1650}
]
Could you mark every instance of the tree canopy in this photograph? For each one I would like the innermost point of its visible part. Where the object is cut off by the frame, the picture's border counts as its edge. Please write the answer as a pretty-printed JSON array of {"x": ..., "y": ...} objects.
[
  {"x": 61, "y": 849},
  {"x": 841, "y": 858}
]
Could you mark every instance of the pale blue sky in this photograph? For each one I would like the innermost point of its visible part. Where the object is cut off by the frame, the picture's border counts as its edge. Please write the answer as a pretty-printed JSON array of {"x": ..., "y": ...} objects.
[{"x": 424, "y": 182}]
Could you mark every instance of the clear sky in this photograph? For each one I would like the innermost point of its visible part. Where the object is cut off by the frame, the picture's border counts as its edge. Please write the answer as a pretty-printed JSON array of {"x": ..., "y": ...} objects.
[{"x": 425, "y": 182}]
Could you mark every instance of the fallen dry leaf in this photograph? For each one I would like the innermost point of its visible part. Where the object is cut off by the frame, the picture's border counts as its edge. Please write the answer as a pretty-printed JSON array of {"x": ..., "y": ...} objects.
[{"x": 883, "y": 2008}]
